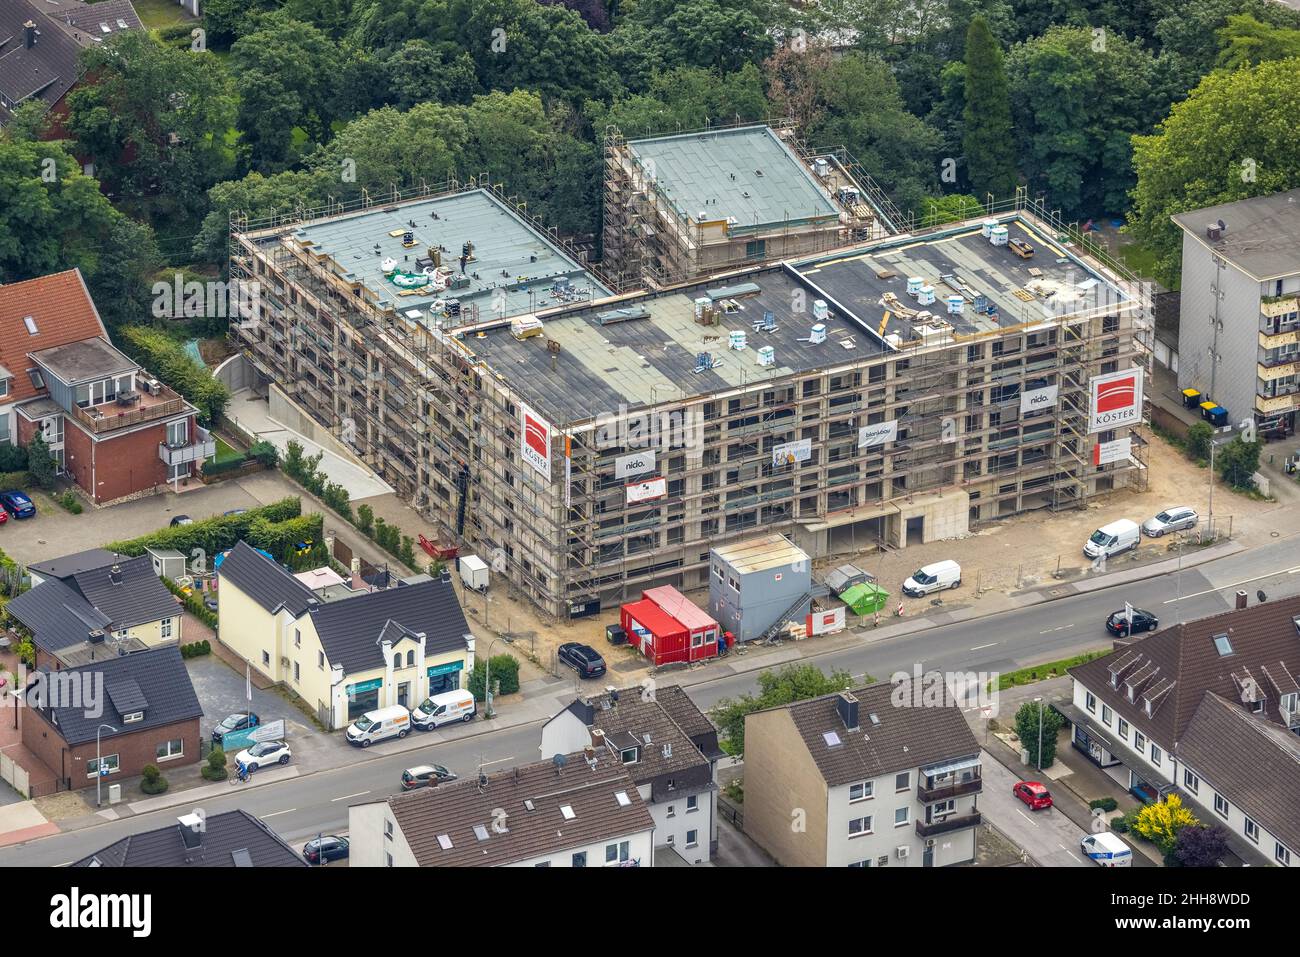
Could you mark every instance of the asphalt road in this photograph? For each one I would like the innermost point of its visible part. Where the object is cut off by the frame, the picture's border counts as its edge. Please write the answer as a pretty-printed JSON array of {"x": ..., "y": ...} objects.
[{"x": 297, "y": 807}]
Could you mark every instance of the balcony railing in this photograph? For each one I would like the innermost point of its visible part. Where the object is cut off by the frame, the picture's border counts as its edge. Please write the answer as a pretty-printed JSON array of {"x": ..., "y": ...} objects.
[
  {"x": 109, "y": 416},
  {"x": 204, "y": 448},
  {"x": 942, "y": 792},
  {"x": 952, "y": 823}
]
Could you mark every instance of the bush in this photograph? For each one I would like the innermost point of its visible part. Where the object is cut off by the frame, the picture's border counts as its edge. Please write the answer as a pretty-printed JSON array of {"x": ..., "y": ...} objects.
[
  {"x": 1027, "y": 719},
  {"x": 70, "y": 502},
  {"x": 264, "y": 452},
  {"x": 1107, "y": 804},
  {"x": 1199, "y": 437},
  {"x": 206, "y": 646},
  {"x": 407, "y": 554},
  {"x": 167, "y": 359},
  {"x": 213, "y": 535},
  {"x": 13, "y": 458},
  {"x": 20, "y": 479},
  {"x": 1124, "y": 824},
  {"x": 40, "y": 463},
  {"x": 1161, "y": 822},
  {"x": 215, "y": 769},
  {"x": 1237, "y": 462},
  {"x": 154, "y": 782},
  {"x": 366, "y": 520},
  {"x": 505, "y": 676}
]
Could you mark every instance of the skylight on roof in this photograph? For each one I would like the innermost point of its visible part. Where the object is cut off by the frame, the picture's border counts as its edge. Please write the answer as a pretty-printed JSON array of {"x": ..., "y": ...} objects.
[
  {"x": 567, "y": 811},
  {"x": 832, "y": 739},
  {"x": 444, "y": 842},
  {"x": 30, "y": 323},
  {"x": 480, "y": 832},
  {"x": 622, "y": 798},
  {"x": 530, "y": 806},
  {"x": 104, "y": 28},
  {"x": 1222, "y": 645}
]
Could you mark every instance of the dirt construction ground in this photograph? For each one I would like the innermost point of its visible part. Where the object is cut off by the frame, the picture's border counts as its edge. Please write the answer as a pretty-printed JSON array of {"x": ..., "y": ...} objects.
[{"x": 1006, "y": 556}]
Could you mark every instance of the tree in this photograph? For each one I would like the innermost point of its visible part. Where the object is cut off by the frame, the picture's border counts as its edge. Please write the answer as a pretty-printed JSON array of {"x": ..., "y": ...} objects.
[
  {"x": 40, "y": 463},
  {"x": 775, "y": 688},
  {"x": 950, "y": 209},
  {"x": 1200, "y": 846},
  {"x": 990, "y": 157},
  {"x": 1232, "y": 138},
  {"x": 505, "y": 676},
  {"x": 1161, "y": 822},
  {"x": 1027, "y": 729},
  {"x": 1245, "y": 42},
  {"x": 365, "y": 519},
  {"x": 1199, "y": 438},
  {"x": 417, "y": 72},
  {"x": 1237, "y": 462}
]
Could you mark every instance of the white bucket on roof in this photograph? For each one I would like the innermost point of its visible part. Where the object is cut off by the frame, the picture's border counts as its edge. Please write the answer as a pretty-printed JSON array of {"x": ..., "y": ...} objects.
[
  {"x": 767, "y": 356},
  {"x": 926, "y": 295},
  {"x": 820, "y": 309},
  {"x": 914, "y": 284},
  {"x": 737, "y": 339},
  {"x": 954, "y": 304},
  {"x": 986, "y": 227},
  {"x": 999, "y": 236}
]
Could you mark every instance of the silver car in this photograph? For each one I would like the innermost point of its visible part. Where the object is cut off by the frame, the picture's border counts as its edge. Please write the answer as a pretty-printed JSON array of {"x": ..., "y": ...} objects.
[{"x": 1176, "y": 519}]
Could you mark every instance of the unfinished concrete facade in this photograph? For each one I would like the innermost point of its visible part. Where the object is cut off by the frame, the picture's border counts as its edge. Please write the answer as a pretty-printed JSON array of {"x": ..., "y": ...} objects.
[{"x": 600, "y": 445}]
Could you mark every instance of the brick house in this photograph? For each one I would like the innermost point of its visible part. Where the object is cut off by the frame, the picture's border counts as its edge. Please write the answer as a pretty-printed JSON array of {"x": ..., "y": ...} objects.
[
  {"x": 146, "y": 699},
  {"x": 111, "y": 427}
]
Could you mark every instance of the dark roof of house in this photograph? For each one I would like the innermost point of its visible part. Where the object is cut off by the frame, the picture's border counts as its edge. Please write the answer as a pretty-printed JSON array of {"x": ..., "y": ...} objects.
[
  {"x": 84, "y": 361},
  {"x": 67, "y": 565},
  {"x": 47, "y": 70},
  {"x": 129, "y": 593},
  {"x": 155, "y": 681},
  {"x": 453, "y": 810},
  {"x": 264, "y": 581},
  {"x": 224, "y": 836},
  {"x": 689, "y": 717},
  {"x": 87, "y": 17},
  {"x": 59, "y": 306},
  {"x": 351, "y": 629},
  {"x": 1175, "y": 667},
  {"x": 1262, "y": 234},
  {"x": 1252, "y": 762},
  {"x": 57, "y": 616},
  {"x": 636, "y": 721},
  {"x": 900, "y": 738}
]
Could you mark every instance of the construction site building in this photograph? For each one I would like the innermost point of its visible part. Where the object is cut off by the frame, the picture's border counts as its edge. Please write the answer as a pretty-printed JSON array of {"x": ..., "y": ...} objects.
[
  {"x": 596, "y": 444},
  {"x": 693, "y": 204}
]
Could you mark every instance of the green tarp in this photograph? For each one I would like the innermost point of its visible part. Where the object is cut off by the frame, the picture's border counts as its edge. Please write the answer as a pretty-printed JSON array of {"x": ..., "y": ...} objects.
[{"x": 865, "y": 598}]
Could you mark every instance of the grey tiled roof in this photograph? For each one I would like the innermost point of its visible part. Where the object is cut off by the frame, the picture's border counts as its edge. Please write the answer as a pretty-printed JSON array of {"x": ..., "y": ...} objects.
[
  {"x": 57, "y": 616},
  {"x": 1252, "y": 762},
  {"x": 264, "y": 581},
  {"x": 630, "y": 721},
  {"x": 159, "y": 678},
  {"x": 67, "y": 565},
  {"x": 350, "y": 630},
  {"x": 455, "y": 809},
  {"x": 46, "y": 71},
  {"x": 904, "y": 737},
  {"x": 223, "y": 835},
  {"x": 139, "y": 596}
]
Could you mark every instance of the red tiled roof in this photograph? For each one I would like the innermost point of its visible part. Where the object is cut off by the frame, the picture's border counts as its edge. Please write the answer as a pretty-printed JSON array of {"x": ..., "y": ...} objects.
[{"x": 61, "y": 307}]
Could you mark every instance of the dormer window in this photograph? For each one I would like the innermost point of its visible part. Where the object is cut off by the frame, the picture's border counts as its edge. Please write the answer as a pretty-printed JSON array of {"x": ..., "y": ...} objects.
[
  {"x": 133, "y": 717},
  {"x": 628, "y": 755}
]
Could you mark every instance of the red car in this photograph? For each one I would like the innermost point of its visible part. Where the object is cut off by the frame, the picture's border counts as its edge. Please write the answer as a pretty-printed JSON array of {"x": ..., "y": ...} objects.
[
  {"x": 4, "y": 516},
  {"x": 1033, "y": 794}
]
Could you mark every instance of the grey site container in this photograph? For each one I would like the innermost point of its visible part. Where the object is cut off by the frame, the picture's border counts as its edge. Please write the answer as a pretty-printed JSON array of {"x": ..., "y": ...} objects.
[{"x": 754, "y": 583}]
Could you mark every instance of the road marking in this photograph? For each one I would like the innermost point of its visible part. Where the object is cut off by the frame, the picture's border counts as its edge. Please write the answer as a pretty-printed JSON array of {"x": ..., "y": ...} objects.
[
  {"x": 346, "y": 796},
  {"x": 1060, "y": 628},
  {"x": 982, "y": 647},
  {"x": 1062, "y": 846},
  {"x": 278, "y": 813},
  {"x": 1211, "y": 591},
  {"x": 1027, "y": 817}
]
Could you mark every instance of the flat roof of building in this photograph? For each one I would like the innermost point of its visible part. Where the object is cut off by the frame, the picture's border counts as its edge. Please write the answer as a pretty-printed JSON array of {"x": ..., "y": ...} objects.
[
  {"x": 652, "y": 355},
  {"x": 515, "y": 267},
  {"x": 747, "y": 173},
  {"x": 760, "y": 554},
  {"x": 1262, "y": 237}
]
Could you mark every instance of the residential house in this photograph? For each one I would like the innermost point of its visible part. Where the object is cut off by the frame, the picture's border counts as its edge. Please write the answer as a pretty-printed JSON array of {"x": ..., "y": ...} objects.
[
  {"x": 93, "y": 605},
  {"x": 577, "y": 810},
  {"x": 131, "y": 711},
  {"x": 668, "y": 747},
  {"x": 229, "y": 839},
  {"x": 854, "y": 779},
  {"x": 362, "y": 651},
  {"x": 1210, "y": 710}
]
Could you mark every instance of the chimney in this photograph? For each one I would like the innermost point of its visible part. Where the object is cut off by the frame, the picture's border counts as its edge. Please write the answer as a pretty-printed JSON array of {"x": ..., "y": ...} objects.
[
  {"x": 585, "y": 711},
  {"x": 597, "y": 738},
  {"x": 29, "y": 34},
  {"x": 847, "y": 706},
  {"x": 115, "y": 574},
  {"x": 357, "y": 582},
  {"x": 1241, "y": 600},
  {"x": 192, "y": 826}
]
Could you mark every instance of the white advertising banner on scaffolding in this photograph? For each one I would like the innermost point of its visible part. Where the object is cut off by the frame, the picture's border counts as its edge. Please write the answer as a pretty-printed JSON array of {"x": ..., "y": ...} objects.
[
  {"x": 825, "y": 622},
  {"x": 535, "y": 441},
  {"x": 568, "y": 472},
  {"x": 1035, "y": 400},
  {"x": 647, "y": 490},
  {"x": 1115, "y": 400},
  {"x": 878, "y": 434},
  {"x": 1104, "y": 453},
  {"x": 788, "y": 453},
  {"x": 638, "y": 463}
]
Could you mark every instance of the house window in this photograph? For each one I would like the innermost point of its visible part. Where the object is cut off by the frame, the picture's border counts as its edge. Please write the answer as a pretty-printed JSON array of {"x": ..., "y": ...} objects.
[
  {"x": 692, "y": 803},
  {"x": 580, "y": 859},
  {"x": 860, "y": 826},
  {"x": 297, "y": 673},
  {"x": 1252, "y": 830},
  {"x": 1123, "y": 729},
  {"x": 388, "y": 830},
  {"x": 1090, "y": 702},
  {"x": 903, "y": 782},
  {"x": 266, "y": 658},
  {"x": 388, "y": 860},
  {"x": 110, "y": 764},
  {"x": 178, "y": 433},
  {"x": 866, "y": 863},
  {"x": 397, "y": 661},
  {"x": 1220, "y": 806},
  {"x": 1281, "y": 854},
  {"x": 672, "y": 810},
  {"x": 1139, "y": 742},
  {"x": 1105, "y": 715},
  {"x": 320, "y": 660},
  {"x": 901, "y": 815},
  {"x": 628, "y": 756},
  {"x": 4, "y": 387},
  {"x": 692, "y": 838},
  {"x": 410, "y": 659},
  {"x": 297, "y": 638},
  {"x": 166, "y": 628},
  {"x": 860, "y": 791},
  {"x": 174, "y": 748},
  {"x": 617, "y": 852},
  {"x": 1190, "y": 781},
  {"x": 1155, "y": 754},
  {"x": 133, "y": 717}
]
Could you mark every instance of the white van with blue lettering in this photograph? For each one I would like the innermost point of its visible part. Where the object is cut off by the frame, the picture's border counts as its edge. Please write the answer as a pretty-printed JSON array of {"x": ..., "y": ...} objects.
[{"x": 1107, "y": 850}]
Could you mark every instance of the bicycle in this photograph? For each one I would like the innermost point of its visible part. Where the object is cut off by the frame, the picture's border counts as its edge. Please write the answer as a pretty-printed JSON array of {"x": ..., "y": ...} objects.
[{"x": 242, "y": 774}]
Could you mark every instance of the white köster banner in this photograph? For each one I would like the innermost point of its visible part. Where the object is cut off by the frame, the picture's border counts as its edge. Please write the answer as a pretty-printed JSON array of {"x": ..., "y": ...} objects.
[
  {"x": 825, "y": 622},
  {"x": 1115, "y": 399},
  {"x": 535, "y": 441}
]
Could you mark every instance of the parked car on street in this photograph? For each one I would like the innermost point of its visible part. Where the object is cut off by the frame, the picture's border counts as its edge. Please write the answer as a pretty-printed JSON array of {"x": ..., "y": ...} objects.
[
  {"x": 322, "y": 850},
  {"x": 1118, "y": 623},
  {"x": 264, "y": 753},
  {"x": 1118, "y": 536},
  {"x": 1176, "y": 519},
  {"x": 583, "y": 659},
  {"x": 1107, "y": 850},
  {"x": 235, "y": 722},
  {"x": 1034, "y": 794},
  {"x": 17, "y": 504},
  {"x": 932, "y": 578},
  {"x": 181, "y": 520},
  {"x": 424, "y": 776}
]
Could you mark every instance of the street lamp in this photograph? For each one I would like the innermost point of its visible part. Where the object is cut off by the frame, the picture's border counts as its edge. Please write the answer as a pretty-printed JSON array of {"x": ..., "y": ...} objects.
[
  {"x": 1040, "y": 734},
  {"x": 99, "y": 765}
]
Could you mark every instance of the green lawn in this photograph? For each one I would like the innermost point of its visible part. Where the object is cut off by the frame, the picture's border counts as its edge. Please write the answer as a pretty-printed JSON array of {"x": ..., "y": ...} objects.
[
  {"x": 225, "y": 453},
  {"x": 158, "y": 14}
]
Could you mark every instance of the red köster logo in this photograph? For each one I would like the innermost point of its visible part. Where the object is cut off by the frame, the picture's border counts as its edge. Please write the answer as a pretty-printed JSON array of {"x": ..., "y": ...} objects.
[
  {"x": 535, "y": 434},
  {"x": 1113, "y": 396}
]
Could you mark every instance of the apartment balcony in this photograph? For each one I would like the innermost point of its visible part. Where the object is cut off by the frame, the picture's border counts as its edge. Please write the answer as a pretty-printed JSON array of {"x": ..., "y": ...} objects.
[
  {"x": 1274, "y": 306},
  {"x": 1278, "y": 370},
  {"x": 948, "y": 824},
  {"x": 135, "y": 408},
  {"x": 1279, "y": 340},
  {"x": 1275, "y": 405},
  {"x": 943, "y": 792},
  {"x": 204, "y": 448}
]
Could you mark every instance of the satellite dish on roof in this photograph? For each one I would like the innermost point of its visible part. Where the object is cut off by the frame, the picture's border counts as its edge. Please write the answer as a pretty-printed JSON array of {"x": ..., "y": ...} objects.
[{"x": 1261, "y": 596}]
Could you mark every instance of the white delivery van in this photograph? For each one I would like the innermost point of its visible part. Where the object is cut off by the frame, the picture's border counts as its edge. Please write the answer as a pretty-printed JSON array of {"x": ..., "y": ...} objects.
[
  {"x": 1112, "y": 539},
  {"x": 380, "y": 725},
  {"x": 931, "y": 578},
  {"x": 474, "y": 572},
  {"x": 443, "y": 709},
  {"x": 1107, "y": 850}
]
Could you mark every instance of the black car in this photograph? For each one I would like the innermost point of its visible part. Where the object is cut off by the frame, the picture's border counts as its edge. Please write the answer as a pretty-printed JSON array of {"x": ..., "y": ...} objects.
[
  {"x": 1118, "y": 624},
  {"x": 322, "y": 850},
  {"x": 235, "y": 722},
  {"x": 181, "y": 520},
  {"x": 583, "y": 659}
]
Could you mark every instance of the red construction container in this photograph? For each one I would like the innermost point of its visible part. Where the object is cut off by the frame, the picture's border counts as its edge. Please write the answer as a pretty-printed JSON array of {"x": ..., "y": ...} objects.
[{"x": 668, "y": 628}]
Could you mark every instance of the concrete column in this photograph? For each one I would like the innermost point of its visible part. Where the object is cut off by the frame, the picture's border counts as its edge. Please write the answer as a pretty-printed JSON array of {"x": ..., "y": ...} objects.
[{"x": 389, "y": 695}]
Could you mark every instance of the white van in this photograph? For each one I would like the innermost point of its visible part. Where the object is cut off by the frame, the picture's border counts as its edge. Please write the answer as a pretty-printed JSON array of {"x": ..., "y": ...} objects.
[
  {"x": 931, "y": 578},
  {"x": 443, "y": 709},
  {"x": 1112, "y": 539},
  {"x": 380, "y": 725},
  {"x": 1107, "y": 850}
]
